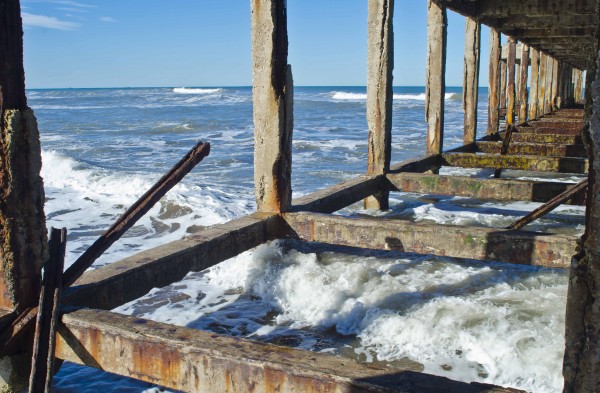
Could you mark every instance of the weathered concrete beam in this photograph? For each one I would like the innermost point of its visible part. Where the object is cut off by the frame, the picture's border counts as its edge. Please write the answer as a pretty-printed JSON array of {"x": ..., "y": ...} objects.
[
  {"x": 548, "y": 83},
  {"x": 541, "y": 104},
  {"x": 532, "y": 21},
  {"x": 471, "y": 79},
  {"x": 198, "y": 361},
  {"x": 535, "y": 149},
  {"x": 578, "y": 85},
  {"x": 523, "y": 163},
  {"x": 522, "y": 88},
  {"x": 497, "y": 189},
  {"x": 554, "y": 31},
  {"x": 380, "y": 65},
  {"x": 494, "y": 83},
  {"x": 120, "y": 282},
  {"x": 547, "y": 138},
  {"x": 551, "y": 129},
  {"x": 435, "y": 81},
  {"x": 272, "y": 91},
  {"x": 546, "y": 8},
  {"x": 555, "y": 72},
  {"x": 503, "y": 85},
  {"x": 447, "y": 240},
  {"x": 510, "y": 86}
]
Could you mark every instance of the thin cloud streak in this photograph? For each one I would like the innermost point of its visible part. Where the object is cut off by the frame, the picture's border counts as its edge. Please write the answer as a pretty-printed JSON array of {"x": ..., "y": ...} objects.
[
  {"x": 108, "y": 19},
  {"x": 47, "y": 22}
]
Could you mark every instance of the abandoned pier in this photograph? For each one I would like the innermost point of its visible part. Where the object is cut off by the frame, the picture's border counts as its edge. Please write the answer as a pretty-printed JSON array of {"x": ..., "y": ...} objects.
[{"x": 546, "y": 125}]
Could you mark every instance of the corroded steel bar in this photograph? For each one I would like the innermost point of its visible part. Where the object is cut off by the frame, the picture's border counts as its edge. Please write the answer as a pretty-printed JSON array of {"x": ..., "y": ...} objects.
[
  {"x": 494, "y": 83},
  {"x": 120, "y": 282},
  {"x": 435, "y": 80},
  {"x": 523, "y": 163},
  {"x": 198, "y": 361},
  {"x": 447, "y": 240},
  {"x": 44, "y": 341},
  {"x": 136, "y": 211},
  {"x": 471, "y": 79},
  {"x": 535, "y": 149},
  {"x": 549, "y": 206},
  {"x": 379, "y": 94},
  {"x": 498, "y": 189}
]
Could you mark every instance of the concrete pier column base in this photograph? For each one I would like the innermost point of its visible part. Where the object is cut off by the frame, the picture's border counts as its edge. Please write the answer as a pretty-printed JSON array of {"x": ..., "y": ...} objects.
[{"x": 14, "y": 373}]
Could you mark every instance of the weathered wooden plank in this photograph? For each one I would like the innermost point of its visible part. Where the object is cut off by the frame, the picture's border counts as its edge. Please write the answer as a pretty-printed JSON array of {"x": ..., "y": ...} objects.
[
  {"x": 471, "y": 79},
  {"x": 446, "y": 240},
  {"x": 524, "y": 163},
  {"x": 535, "y": 149},
  {"x": 511, "y": 91},
  {"x": 494, "y": 83},
  {"x": 120, "y": 282},
  {"x": 272, "y": 92},
  {"x": 497, "y": 189},
  {"x": 380, "y": 65},
  {"x": 535, "y": 74},
  {"x": 522, "y": 88},
  {"x": 198, "y": 361},
  {"x": 435, "y": 80}
]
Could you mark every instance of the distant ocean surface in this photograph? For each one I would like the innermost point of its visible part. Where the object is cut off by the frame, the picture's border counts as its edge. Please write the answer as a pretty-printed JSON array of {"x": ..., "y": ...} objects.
[{"x": 103, "y": 148}]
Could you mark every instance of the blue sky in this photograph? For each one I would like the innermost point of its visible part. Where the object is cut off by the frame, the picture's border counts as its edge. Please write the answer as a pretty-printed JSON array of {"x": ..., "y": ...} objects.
[{"x": 134, "y": 43}]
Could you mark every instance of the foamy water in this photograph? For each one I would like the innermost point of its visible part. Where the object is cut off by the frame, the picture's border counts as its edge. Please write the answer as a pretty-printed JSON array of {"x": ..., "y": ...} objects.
[{"x": 103, "y": 148}]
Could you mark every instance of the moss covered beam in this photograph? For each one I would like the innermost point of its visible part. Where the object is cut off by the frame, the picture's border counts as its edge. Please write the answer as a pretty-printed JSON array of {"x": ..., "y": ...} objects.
[
  {"x": 535, "y": 149},
  {"x": 492, "y": 244},
  {"x": 523, "y": 163}
]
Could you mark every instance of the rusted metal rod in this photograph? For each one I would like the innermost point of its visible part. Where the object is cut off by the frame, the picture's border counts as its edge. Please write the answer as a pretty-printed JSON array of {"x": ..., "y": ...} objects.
[
  {"x": 44, "y": 342},
  {"x": 135, "y": 212},
  {"x": 11, "y": 335},
  {"x": 548, "y": 206}
]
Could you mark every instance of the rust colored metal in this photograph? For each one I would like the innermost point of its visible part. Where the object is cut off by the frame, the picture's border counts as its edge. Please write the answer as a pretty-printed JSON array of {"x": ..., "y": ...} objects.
[
  {"x": 136, "y": 211},
  {"x": 549, "y": 206},
  {"x": 44, "y": 342}
]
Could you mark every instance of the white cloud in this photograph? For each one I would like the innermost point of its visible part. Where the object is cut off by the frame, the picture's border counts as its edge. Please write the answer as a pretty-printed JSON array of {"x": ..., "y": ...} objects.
[
  {"x": 108, "y": 19},
  {"x": 48, "y": 22},
  {"x": 72, "y": 3}
]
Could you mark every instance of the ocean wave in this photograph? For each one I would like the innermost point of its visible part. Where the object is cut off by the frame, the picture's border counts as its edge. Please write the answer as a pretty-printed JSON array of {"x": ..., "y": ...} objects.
[
  {"x": 187, "y": 90},
  {"x": 340, "y": 95}
]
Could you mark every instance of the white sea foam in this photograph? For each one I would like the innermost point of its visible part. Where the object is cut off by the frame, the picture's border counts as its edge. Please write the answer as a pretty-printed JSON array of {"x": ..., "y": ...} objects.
[
  {"x": 187, "y": 90},
  {"x": 340, "y": 95}
]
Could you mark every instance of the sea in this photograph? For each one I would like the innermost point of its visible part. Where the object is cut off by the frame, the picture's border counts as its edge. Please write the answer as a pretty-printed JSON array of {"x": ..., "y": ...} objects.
[{"x": 463, "y": 319}]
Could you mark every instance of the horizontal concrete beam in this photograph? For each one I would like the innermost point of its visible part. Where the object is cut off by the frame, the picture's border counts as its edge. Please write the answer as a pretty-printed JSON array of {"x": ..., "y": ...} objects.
[
  {"x": 523, "y": 163},
  {"x": 198, "y": 361},
  {"x": 534, "y": 149},
  {"x": 120, "y": 282},
  {"x": 498, "y": 189},
  {"x": 550, "y": 32},
  {"x": 546, "y": 138},
  {"x": 492, "y": 244},
  {"x": 540, "y": 128}
]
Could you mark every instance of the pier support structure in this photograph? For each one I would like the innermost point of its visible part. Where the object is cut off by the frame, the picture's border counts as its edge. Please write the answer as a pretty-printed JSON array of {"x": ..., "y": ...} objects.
[
  {"x": 379, "y": 93},
  {"x": 510, "y": 89},
  {"x": 272, "y": 90},
  {"x": 435, "y": 88},
  {"x": 22, "y": 220},
  {"x": 522, "y": 88},
  {"x": 534, "y": 86},
  {"x": 471, "y": 78},
  {"x": 542, "y": 84},
  {"x": 494, "y": 83}
]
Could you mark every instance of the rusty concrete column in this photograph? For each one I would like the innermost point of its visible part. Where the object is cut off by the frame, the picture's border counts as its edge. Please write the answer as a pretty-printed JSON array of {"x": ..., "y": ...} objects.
[
  {"x": 471, "y": 78},
  {"x": 494, "y": 82},
  {"x": 555, "y": 73},
  {"x": 511, "y": 94},
  {"x": 548, "y": 85},
  {"x": 578, "y": 86},
  {"x": 435, "y": 88},
  {"x": 22, "y": 221},
  {"x": 503, "y": 69},
  {"x": 523, "y": 75},
  {"x": 272, "y": 92},
  {"x": 581, "y": 367},
  {"x": 533, "y": 84},
  {"x": 379, "y": 93},
  {"x": 542, "y": 84}
]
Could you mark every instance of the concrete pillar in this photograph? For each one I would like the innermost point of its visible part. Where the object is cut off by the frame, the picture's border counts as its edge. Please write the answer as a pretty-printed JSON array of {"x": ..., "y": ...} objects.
[
  {"x": 578, "y": 86},
  {"x": 511, "y": 93},
  {"x": 379, "y": 93},
  {"x": 555, "y": 74},
  {"x": 23, "y": 235},
  {"x": 581, "y": 367},
  {"x": 542, "y": 85},
  {"x": 503, "y": 69},
  {"x": 272, "y": 92},
  {"x": 471, "y": 78},
  {"x": 523, "y": 75},
  {"x": 533, "y": 84},
  {"x": 494, "y": 82},
  {"x": 548, "y": 85},
  {"x": 435, "y": 87}
]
